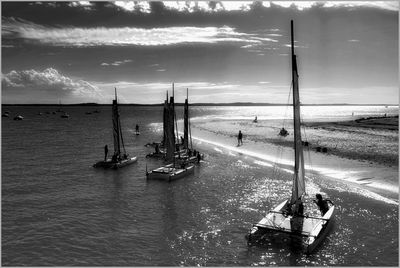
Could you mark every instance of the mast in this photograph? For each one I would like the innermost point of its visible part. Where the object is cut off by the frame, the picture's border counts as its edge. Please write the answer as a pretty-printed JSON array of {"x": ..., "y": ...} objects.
[
  {"x": 171, "y": 131},
  {"x": 165, "y": 120},
  {"x": 298, "y": 180},
  {"x": 175, "y": 121},
  {"x": 186, "y": 122},
  {"x": 116, "y": 125}
]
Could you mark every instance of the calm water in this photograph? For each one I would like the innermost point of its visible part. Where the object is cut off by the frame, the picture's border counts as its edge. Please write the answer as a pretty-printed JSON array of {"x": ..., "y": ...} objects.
[{"x": 57, "y": 210}]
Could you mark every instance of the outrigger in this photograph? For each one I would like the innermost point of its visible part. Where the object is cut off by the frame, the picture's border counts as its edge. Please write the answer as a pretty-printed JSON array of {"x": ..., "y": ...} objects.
[{"x": 289, "y": 217}]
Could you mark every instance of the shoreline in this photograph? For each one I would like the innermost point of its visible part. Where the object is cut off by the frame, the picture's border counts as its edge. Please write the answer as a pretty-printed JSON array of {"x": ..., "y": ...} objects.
[{"x": 372, "y": 140}]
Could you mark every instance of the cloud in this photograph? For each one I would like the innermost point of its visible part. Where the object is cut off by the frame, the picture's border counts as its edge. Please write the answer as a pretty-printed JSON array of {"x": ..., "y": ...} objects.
[
  {"x": 115, "y": 63},
  {"x": 229, "y": 6},
  {"x": 123, "y": 36},
  {"x": 49, "y": 83}
]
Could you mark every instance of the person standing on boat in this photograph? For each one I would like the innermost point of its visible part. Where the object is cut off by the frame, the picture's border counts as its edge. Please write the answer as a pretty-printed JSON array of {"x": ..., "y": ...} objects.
[
  {"x": 322, "y": 204},
  {"x": 105, "y": 152},
  {"x": 240, "y": 138}
]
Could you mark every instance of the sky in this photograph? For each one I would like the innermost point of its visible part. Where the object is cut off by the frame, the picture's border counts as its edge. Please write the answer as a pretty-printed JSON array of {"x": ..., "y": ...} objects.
[{"x": 223, "y": 51}]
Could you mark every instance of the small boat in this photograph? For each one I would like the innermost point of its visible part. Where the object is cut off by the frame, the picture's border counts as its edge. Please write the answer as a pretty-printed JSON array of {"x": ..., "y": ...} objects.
[
  {"x": 173, "y": 170},
  {"x": 118, "y": 159},
  {"x": 65, "y": 115},
  {"x": 187, "y": 154},
  {"x": 5, "y": 114},
  {"x": 18, "y": 117},
  {"x": 288, "y": 217},
  {"x": 137, "y": 131}
]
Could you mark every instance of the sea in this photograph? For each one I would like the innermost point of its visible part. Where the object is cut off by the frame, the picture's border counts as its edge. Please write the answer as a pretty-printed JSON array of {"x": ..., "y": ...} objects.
[{"x": 57, "y": 210}]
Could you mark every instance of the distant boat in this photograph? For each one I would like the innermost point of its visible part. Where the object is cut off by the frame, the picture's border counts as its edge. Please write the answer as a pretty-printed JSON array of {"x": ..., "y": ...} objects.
[
  {"x": 6, "y": 114},
  {"x": 288, "y": 216},
  {"x": 118, "y": 159},
  {"x": 173, "y": 170},
  {"x": 59, "y": 107},
  {"x": 18, "y": 117},
  {"x": 65, "y": 115}
]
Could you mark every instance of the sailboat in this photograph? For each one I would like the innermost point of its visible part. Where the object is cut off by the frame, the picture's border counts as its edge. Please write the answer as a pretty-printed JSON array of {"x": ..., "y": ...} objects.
[
  {"x": 118, "y": 159},
  {"x": 160, "y": 146},
  {"x": 173, "y": 170},
  {"x": 288, "y": 217},
  {"x": 186, "y": 155}
]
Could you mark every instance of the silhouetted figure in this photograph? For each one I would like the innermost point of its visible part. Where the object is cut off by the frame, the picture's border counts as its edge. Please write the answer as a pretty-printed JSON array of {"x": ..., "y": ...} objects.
[
  {"x": 105, "y": 152},
  {"x": 137, "y": 128},
  {"x": 240, "y": 138},
  {"x": 182, "y": 140},
  {"x": 157, "y": 148},
  {"x": 198, "y": 157},
  {"x": 255, "y": 120},
  {"x": 322, "y": 204},
  {"x": 283, "y": 132}
]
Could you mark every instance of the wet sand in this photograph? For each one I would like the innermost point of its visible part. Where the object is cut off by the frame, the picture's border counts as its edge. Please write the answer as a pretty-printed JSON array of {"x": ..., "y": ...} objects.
[
  {"x": 363, "y": 157},
  {"x": 373, "y": 140}
]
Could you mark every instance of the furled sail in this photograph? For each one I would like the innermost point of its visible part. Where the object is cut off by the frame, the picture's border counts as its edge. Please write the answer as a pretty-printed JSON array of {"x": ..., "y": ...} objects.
[
  {"x": 298, "y": 179},
  {"x": 170, "y": 130},
  {"x": 116, "y": 126}
]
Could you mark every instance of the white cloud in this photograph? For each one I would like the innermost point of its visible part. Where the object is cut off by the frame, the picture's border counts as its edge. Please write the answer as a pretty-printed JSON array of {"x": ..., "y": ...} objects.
[
  {"x": 192, "y": 6},
  {"x": 101, "y": 36},
  {"x": 49, "y": 83},
  {"x": 115, "y": 63}
]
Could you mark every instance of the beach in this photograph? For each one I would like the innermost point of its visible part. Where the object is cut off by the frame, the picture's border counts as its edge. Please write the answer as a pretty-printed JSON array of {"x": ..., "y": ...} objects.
[{"x": 362, "y": 151}]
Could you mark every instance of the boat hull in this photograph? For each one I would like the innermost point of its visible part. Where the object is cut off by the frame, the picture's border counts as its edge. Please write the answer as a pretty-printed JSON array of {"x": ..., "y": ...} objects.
[
  {"x": 311, "y": 230},
  {"x": 169, "y": 173},
  {"x": 115, "y": 165}
]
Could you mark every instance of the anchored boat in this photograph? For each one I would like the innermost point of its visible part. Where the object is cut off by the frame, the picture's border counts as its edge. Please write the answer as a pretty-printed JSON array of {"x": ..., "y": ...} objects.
[
  {"x": 186, "y": 154},
  {"x": 289, "y": 216},
  {"x": 119, "y": 158},
  {"x": 173, "y": 170}
]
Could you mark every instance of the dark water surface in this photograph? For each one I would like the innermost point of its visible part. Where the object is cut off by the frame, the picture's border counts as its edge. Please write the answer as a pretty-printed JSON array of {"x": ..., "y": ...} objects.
[{"x": 57, "y": 210}]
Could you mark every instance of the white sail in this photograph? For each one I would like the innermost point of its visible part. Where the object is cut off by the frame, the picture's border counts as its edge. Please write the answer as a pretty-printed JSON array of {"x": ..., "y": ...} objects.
[{"x": 298, "y": 179}]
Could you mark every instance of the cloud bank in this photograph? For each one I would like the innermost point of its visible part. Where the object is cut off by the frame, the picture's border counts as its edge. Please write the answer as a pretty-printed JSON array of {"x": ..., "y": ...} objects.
[
  {"x": 48, "y": 83},
  {"x": 123, "y": 36}
]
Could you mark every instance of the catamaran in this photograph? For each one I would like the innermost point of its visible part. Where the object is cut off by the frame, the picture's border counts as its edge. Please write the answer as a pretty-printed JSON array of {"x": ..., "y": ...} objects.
[
  {"x": 288, "y": 217},
  {"x": 118, "y": 159},
  {"x": 173, "y": 170},
  {"x": 186, "y": 154}
]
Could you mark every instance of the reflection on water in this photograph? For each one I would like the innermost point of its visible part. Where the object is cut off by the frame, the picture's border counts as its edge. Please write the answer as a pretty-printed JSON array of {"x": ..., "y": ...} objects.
[{"x": 59, "y": 211}]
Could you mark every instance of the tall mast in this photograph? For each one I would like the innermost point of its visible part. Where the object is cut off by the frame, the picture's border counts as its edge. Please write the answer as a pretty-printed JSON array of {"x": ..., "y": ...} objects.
[
  {"x": 186, "y": 122},
  {"x": 165, "y": 120},
  {"x": 298, "y": 179}
]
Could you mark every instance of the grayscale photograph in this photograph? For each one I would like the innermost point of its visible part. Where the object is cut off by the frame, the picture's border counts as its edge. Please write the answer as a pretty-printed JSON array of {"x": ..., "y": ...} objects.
[{"x": 200, "y": 133}]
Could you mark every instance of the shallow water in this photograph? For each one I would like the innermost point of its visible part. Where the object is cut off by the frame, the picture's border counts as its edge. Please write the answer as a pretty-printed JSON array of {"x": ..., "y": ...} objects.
[{"x": 57, "y": 210}]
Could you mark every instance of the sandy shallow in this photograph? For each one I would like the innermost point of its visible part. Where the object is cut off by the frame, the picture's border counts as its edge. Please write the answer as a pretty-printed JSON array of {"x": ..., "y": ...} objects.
[{"x": 363, "y": 156}]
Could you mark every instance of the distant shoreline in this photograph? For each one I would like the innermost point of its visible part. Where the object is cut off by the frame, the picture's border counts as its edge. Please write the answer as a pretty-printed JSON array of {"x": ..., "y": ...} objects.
[{"x": 202, "y": 104}]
